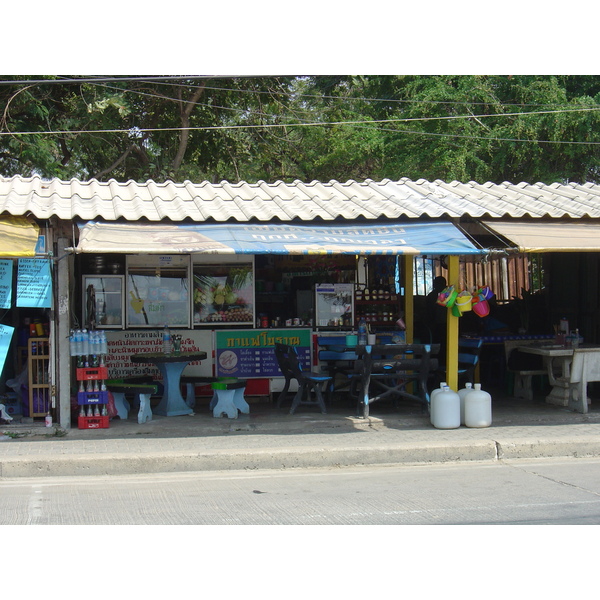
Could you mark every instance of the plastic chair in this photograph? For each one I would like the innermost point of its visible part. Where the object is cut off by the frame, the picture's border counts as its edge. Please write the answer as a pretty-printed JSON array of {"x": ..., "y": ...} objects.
[
  {"x": 308, "y": 381},
  {"x": 339, "y": 361}
]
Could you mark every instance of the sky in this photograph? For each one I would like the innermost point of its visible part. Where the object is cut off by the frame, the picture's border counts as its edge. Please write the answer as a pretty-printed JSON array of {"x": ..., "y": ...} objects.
[{"x": 312, "y": 37}]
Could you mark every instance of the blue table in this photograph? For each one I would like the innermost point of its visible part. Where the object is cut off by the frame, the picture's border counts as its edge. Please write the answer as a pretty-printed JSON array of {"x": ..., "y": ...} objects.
[{"x": 171, "y": 366}]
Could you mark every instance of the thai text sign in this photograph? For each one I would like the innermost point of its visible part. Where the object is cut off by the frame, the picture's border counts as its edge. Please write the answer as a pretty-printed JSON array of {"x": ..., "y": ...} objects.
[
  {"x": 122, "y": 344},
  {"x": 34, "y": 283},
  {"x": 251, "y": 353},
  {"x": 5, "y": 283}
]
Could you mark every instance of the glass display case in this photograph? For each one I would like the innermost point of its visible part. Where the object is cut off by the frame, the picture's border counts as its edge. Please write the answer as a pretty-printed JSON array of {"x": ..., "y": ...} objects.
[
  {"x": 158, "y": 291},
  {"x": 103, "y": 301},
  {"x": 334, "y": 305},
  {"x": 223, "y": 293}
]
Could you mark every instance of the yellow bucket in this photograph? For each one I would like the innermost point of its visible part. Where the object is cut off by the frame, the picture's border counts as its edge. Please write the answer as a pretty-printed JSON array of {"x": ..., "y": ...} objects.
[{"x": 464, "y": 301}]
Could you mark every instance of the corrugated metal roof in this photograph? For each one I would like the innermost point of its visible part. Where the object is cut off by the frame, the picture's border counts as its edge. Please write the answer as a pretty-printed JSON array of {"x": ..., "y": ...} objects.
[{"x": 314, "y": 201}]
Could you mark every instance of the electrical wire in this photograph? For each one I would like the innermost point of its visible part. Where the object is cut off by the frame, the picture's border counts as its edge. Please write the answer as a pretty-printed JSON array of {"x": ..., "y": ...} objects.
[
  {"x": 173, "y": 79},
  {"x": 137, "y": 130}
]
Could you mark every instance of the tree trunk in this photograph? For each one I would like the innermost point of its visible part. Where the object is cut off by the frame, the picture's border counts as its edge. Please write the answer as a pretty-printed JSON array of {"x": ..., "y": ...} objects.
[{"x": 187, "y": 106}]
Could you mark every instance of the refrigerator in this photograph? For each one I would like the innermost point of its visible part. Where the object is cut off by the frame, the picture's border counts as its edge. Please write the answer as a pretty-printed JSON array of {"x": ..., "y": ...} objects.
[{"x": 334, "y": 305}]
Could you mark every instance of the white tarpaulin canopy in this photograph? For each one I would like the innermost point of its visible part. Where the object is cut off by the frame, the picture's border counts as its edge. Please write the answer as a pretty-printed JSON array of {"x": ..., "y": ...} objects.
[
  {"x": 549, "y": 237},
  {"x": 364, "y": 239}
]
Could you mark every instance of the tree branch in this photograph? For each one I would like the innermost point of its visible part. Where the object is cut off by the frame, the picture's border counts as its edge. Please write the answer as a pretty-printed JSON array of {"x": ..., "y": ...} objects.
[
  {"x": 186, "y": 111},
  {"x": 117, "y": 162}
]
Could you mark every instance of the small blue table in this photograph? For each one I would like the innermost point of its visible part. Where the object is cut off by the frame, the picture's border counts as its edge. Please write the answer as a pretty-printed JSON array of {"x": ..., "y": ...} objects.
[{"x": 171, "y": 366}]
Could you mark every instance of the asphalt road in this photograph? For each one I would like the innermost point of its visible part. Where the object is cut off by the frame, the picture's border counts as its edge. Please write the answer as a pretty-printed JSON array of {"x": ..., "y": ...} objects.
[{"x": 548, "y": 491}]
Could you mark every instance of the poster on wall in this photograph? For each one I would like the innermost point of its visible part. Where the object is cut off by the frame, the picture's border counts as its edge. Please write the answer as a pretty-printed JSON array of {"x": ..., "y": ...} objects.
[
  {"x": 122, "y": 344},
  {"x": 6, "y": 333},
  {"x": 5, "y": 283},
  {"x": 34, "y": 283},
  {"x": 251, "y": 353}
]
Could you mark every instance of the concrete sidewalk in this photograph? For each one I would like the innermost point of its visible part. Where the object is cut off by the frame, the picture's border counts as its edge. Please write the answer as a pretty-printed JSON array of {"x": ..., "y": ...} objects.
[{"x": 270, "y": 438}]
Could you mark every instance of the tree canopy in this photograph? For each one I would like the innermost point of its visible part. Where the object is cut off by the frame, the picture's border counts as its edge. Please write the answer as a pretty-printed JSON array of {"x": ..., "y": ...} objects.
[{"x": 467, "y": 127}]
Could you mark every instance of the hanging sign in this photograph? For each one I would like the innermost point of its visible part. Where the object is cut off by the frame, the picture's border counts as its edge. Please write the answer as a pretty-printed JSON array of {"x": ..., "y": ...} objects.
[
  {"x": 6, "y": 333},
  {"x": 5, "y": 283},
  {"x": 34, "y": 283}
]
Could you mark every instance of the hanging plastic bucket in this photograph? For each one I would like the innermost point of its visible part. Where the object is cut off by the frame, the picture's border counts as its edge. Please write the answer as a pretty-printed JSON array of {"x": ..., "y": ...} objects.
[
  {"x": 447, "y": 297},
  {"x": 464, "y": 301},
  {"x": 485, "y": 292},
  {"x": 481, "y": 308}
]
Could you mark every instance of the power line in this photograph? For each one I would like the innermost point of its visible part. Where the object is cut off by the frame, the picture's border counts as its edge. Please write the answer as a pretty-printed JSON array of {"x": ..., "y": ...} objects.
[
  {"x": 111, "y": 79},
  {"x": 137, "y": 130},
  {"x": 177, "y": 78}
]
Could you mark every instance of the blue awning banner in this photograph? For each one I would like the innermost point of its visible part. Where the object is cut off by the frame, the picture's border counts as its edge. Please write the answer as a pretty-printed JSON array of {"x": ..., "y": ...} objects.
[{"x": 273, "y": 238}]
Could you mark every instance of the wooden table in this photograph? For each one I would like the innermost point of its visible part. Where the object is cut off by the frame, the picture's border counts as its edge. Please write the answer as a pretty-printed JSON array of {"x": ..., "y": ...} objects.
[{"x": 171, "y": 366}]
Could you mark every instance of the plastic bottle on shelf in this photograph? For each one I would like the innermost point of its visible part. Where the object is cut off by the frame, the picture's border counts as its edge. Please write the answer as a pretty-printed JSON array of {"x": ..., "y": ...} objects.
[
  {"x": 167, "y": 345},
  {"x": 104, "y": 343},
  {"x": 362, "y": 333},
  {"x": 85, "y": 342},
  {"x": 78, "y": 343},
  {"x": 72, "y": 344}
]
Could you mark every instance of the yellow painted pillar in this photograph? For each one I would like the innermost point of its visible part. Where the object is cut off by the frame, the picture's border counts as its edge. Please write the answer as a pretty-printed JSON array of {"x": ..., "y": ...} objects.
[
  {"x": 409, "y": 297},
  {"x": 452, "y": 329}
]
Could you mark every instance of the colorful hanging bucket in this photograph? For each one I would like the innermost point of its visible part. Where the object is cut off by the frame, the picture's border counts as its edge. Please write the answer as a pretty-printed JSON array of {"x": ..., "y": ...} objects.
[
  {"x": 447, "y": 297},
  {"x": 481, "y": 308},
  {"x": 464, "y": 301},
  {"x": 485, "y": 292}
]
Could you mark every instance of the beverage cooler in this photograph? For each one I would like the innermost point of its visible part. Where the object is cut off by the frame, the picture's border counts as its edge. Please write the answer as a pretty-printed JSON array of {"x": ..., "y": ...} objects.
[{"x": 334, "y": 305}]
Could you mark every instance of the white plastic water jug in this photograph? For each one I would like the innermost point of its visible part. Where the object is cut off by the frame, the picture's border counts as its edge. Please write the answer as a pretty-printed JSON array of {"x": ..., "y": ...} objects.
[
  {"x": 433, "y": 393},
  {"x": 462, "y": 394},
  {"x": 478, "y": 408},
  {"x": 446, "y": 409}
]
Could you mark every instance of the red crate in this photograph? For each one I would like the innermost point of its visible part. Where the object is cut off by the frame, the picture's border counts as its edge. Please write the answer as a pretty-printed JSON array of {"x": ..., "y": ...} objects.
[
  {"x": 87, "y": 373},
  {"x": 92, "y": 422}
]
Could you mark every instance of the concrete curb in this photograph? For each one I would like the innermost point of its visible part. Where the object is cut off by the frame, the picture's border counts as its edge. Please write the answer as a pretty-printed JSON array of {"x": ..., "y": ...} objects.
[
  {"x": 109, "y": 464},
  {"x": 255, "y": 459}
]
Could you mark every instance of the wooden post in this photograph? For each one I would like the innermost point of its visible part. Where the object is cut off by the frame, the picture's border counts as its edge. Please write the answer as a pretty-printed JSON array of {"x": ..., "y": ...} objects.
[
  {"x": 452, "y": 329},
  {"x": 409, "y": 304}
]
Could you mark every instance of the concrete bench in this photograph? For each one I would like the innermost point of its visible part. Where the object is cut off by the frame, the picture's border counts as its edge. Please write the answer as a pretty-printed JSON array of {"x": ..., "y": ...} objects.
[
  {"x": 228, "y": 397},
  {"x": 191, "y": 381},
  {"x": 141, "y": 392}
]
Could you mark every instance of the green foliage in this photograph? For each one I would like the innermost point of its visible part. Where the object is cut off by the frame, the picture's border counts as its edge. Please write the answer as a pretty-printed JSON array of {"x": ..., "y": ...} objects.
[{"x": 467, "y": 127}]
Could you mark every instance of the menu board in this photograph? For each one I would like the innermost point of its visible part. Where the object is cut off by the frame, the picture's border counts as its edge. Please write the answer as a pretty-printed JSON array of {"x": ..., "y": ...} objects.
[
  {"x": 5, "y": 283},
  {"x": 251, "y": 353},
  {"x": 34, "y": 283}
]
